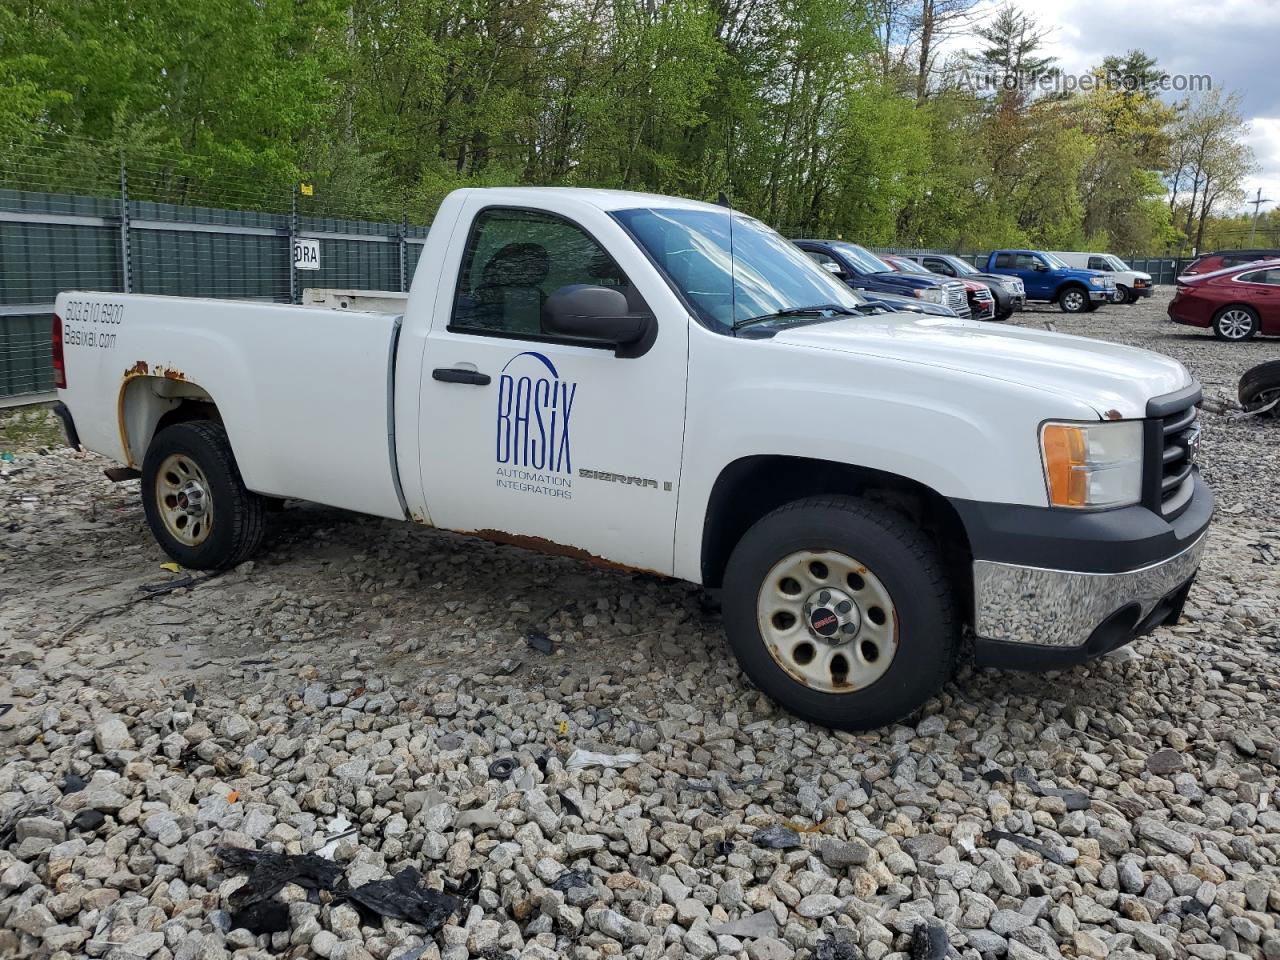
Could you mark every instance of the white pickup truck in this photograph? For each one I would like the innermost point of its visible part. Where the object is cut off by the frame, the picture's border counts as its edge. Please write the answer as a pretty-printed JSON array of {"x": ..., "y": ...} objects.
[{"x": 664, "y": 385}]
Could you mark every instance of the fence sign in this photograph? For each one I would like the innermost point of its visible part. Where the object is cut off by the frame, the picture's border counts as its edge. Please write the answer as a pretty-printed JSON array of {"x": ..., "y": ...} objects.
[{"x": 306, "y": 254}]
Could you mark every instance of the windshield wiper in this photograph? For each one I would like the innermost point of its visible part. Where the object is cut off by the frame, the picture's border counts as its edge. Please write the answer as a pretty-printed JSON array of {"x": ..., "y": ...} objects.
[{"x": 817, "y": 308}]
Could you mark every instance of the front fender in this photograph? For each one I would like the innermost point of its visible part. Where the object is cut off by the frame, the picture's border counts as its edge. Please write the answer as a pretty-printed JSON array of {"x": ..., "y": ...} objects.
[{"x": 960, "y": 434}]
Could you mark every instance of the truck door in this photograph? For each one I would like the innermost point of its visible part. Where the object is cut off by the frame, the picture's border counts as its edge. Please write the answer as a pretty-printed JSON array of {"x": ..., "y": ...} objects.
[
  {"x": 530, "y": 438},
  {"x": 1036, "y": 275}
]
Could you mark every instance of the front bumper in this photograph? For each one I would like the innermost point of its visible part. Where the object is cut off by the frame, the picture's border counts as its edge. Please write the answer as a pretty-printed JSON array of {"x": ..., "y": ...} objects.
[
  {"x": 1051, "y": 590},
  {"x": 1033, "y": 618},
  {"x": 1101, "y": 296},
  {"x": 1143, "y": 291}
]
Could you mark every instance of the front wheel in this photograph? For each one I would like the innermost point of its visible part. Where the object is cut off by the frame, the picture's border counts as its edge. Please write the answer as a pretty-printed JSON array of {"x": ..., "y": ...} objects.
[
  {"x": 1122, "y": 295},
  {"x": 1235, "y": 323},
  {"x": 197, "y": 506},
  {"x": 840, "y": 610},
  {"x": 1073, "y": 300}
]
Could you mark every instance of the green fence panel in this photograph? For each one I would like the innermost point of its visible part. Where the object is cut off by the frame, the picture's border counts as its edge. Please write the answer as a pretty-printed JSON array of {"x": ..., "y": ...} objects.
[
  {"x": 181, "y": 263},
  {"x": 361, "y": 264},
  {"x": 24, "y": 354}
]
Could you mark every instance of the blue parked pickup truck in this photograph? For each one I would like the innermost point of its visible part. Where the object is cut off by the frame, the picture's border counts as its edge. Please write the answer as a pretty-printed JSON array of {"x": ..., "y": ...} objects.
[
  {"x": 863, "y": 270},
  {"x": 1050, "y": 280}
]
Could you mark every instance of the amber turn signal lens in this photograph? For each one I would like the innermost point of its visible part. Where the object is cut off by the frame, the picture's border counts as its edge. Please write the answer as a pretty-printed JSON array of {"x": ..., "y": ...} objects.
[{"x": 1066, "y": 464}]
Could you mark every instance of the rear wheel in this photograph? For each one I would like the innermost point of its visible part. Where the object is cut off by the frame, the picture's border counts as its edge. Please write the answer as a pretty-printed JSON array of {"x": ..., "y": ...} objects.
[
  {"x": 1073, "y": 300},
  {"x": 840, "y": 610},
  {"x": 1236, "y": 322},
  {"x": 197, "y": 506}
]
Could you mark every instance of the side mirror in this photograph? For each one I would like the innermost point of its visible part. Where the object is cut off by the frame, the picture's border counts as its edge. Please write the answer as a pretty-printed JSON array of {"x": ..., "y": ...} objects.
[
  {"x": 831, "y": 267},
  {"x": 1040, "y": 267},
  {"x": 581, "y": 311}
]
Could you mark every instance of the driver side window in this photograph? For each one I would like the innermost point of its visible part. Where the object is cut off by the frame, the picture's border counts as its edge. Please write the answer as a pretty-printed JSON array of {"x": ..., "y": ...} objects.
[{"x": 514, "y": 260}]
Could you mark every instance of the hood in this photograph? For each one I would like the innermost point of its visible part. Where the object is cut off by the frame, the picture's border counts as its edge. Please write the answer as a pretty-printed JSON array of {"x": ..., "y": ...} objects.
[
  {"x": 1107, "y": 376},
  {"x": 911, "y": 281}
]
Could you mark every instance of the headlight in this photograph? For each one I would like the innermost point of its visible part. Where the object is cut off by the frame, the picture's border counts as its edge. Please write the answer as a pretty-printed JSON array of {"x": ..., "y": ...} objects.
[
  {"x": 1095, "y": 281},
  {"x": 934, "y": 295},
  {"x": 1092, "y": 464}
]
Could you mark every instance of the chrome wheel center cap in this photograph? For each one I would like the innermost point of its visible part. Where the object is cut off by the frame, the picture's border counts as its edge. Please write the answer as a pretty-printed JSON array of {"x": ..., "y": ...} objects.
[
  {"x": 191, "y": 498},
  {"x": 831, "y": 616}
]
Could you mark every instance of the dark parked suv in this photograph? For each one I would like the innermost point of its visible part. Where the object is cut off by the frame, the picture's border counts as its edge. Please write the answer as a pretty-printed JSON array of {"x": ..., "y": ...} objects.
[{"x": 863, "y": 270}]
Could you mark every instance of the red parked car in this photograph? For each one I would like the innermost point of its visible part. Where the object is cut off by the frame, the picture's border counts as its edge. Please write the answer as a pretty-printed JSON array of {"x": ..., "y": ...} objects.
[
  {"x": 1237, "y": 303},
  {"x": 982, "y": 305}
]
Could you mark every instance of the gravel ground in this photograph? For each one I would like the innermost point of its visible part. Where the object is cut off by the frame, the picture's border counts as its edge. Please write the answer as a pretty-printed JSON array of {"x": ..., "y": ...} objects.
[{"x": 366, "y": 680}]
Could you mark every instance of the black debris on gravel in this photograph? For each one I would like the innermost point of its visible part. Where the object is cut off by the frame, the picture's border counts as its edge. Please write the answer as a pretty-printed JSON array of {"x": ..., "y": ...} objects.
[
  {"x": 269, "y": 872},
  {"x": 406, "y": 897},
  {"x": 503, "y": 767},
  {"x": 776, "y": 838}
]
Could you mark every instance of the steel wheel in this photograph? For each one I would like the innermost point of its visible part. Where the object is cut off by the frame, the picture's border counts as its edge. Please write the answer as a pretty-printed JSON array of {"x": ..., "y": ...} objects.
[
  {"x": 827, "y": 621},
  {"x": 1073, "y": 301},
  {"x": 183, "y": 500},
  {"x": 1235, "y": 324}
]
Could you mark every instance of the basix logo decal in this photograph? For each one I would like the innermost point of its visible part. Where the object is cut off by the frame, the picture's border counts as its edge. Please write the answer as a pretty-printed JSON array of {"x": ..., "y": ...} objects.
[{"x": 533, "y": 451}]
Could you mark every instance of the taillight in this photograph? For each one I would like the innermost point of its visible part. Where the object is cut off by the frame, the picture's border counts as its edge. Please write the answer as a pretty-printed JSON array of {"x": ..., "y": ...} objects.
[{"x": 59, "y": 362}]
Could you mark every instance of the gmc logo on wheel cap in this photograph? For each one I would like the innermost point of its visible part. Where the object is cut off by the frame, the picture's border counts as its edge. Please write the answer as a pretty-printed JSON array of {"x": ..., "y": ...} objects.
[{"x": 824, "y": 622}]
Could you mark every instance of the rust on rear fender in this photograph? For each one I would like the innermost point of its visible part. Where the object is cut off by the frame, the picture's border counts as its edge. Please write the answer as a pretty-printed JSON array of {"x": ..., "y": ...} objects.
[{"x": 139, "y": 369}]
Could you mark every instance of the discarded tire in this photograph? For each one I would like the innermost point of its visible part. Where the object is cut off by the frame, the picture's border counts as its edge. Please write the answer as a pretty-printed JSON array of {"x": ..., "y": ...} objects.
[{"x": 1260, "y": 386}]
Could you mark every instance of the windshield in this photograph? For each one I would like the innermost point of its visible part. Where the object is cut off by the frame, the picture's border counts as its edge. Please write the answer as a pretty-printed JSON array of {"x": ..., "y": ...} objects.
[
  {"x": 1053, "y": 261},
  {"x": 862, "y": 258},
  {"x": 904, "y": 265},
  {"x": 761, "y": 274},
  {"x": 1116, "y": 262},
  {"x": 963, "y": 268}
]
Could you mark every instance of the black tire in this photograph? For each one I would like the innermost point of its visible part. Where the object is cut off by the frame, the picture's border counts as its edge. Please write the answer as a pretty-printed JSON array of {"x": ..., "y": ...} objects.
[
  {"x": 894, "y": 550},
  {"x": 1226, "y": 323},
  {"x": 237, "y": 515},
  {"x": 1124, "y": 294},
  {"x": 1260, "y": 385},
  {"x": 1073, "y": 299}
]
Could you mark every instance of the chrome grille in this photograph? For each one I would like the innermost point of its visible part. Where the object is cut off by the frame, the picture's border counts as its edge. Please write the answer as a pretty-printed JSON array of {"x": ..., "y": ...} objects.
[
  {"x": 1180, "y": 444},
  {"x": 957, "y": 300}
]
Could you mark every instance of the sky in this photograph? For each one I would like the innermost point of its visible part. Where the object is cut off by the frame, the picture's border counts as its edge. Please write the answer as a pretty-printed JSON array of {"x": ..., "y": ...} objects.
[{"x": 1235, "y": 42}]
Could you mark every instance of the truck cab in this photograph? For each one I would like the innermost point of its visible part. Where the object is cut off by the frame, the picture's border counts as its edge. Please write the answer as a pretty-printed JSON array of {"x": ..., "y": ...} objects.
[
  {"x": 863, "y": 270},
  {"x": 1049, "y": 279}
]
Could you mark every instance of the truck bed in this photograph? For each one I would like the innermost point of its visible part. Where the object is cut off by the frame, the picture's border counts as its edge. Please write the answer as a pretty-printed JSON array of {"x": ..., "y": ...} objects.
[{"x": 304, "y": 392}]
